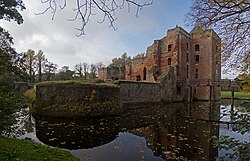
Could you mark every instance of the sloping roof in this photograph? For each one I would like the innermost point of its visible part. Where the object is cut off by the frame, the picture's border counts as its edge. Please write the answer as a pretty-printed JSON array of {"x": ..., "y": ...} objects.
[{"x": 196, "y": 29}]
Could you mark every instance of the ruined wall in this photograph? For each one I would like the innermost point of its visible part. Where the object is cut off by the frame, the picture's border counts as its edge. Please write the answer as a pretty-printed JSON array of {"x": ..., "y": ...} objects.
[
  {"x": 135, "y": 92},
  {"x": 102, "y": 73},
  {"x": 165, "y": 90},
  {"x": 77, "y": 100},
  {"x": 135, "y": 69},
  {"x": 150, "y": 64},
  {"x": 195, "y": 57},
  {"x": 168, "y": 86},
  {"x": 111, "y": 73}
]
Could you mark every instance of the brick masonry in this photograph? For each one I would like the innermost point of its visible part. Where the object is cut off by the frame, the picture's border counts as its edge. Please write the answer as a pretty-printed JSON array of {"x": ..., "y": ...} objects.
[{"x": 195, "y": 58}]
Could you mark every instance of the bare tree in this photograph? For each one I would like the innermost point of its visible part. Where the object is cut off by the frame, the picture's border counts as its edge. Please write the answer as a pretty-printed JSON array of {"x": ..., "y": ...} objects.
[
  {"x": 79, "y": 69},
  {"x": 93, "y": 70},
  {"x": 85, "y": 9},
  {"x": 85, "y": 69},
  {"x": 99, "y": 65},
  {"x": 40, "y": 64},
  {"x": 231, "y": 20}
]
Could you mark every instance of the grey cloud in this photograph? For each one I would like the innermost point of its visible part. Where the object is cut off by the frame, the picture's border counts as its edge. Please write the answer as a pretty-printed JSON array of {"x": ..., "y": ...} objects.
[{"x": 58, "y": 41}]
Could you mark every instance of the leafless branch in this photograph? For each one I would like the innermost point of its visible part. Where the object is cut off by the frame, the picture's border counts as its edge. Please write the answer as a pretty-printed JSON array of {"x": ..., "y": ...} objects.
[
  {"x": 231, "y": 20},
  {"x": 84, "y": 10}
]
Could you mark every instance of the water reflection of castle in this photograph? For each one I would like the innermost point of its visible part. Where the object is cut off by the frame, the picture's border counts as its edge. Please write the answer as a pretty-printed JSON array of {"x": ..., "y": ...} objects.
[
  {"x": 185, "y": 133},
  {"x": 174, "y": 131}
]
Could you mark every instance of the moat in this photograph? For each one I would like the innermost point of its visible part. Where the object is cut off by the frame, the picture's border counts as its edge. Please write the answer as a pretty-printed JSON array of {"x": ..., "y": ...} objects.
[{"x": 174, "y": 131}]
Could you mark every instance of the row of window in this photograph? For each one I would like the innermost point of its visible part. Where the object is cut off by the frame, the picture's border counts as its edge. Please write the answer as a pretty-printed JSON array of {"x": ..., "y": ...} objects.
[
  {"x": 196, "y": 76},
  {"x": 197, "y": 59},
  {"x": 196, "y": 47}
]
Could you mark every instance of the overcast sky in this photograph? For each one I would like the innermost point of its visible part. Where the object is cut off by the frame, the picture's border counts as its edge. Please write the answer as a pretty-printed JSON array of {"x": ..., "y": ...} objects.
[{"x": 57, "y": 38}]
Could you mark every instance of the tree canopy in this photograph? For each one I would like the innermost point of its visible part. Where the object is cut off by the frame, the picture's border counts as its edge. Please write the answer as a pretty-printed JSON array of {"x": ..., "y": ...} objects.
[
  {"x": 9, "y": 10},
  {"x": 231, "y": 20}
]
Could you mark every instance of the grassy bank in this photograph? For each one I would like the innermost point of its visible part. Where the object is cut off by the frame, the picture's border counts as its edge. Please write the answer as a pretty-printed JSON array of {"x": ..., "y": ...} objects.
[
  {"x": 14, "y": 149},
  {"x": 237, "y": 95}
]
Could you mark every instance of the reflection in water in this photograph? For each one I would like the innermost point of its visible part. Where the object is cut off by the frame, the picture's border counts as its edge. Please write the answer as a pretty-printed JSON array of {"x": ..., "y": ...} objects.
[
  {"x": 175, "y": 131},
  {"x": 184, "y": 133},
  {"x": 76, "y": 134},
  {"x": 24, "y": 123}
]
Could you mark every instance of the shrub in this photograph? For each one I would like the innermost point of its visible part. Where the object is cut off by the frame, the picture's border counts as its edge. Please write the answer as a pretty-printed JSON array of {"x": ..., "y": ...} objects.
[
  {"x": 245, "y": 88},
  {"x": 30, "y": 96}
]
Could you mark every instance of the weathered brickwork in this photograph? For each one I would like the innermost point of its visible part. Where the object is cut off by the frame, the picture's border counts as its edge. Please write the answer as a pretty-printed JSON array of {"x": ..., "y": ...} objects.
[{"x": 195, "y": 58}]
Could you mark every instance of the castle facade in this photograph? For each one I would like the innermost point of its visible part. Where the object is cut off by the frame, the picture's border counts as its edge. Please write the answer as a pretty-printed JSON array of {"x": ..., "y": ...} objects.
[{"x": 195, "y": 58}]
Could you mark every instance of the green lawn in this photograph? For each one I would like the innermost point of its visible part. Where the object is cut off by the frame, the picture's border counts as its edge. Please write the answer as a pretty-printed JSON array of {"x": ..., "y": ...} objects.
[
  {"x": 239, "y": 95},
  {"x": 14, "y": 149}
]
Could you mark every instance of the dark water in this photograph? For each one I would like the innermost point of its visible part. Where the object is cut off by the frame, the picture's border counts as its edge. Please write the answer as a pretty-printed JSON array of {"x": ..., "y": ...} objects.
[{"x": 171, "y": 132}]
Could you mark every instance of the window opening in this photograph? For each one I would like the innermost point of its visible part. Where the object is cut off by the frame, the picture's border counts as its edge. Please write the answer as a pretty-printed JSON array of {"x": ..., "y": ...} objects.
[
  {"x": 130, "y": 69},
  {"x": 197, "y": 59},
  {"x": 144, "y": 73},
  {"x": 169, "y": 61},
  {"x": 177, "y": 70},
  {"x": 178, "y": 90},
  {"x": 170, "y": 47},
  {"x": 197, "y": 47},
  {"x": 138, "y": 78},
  {"x": 196, "y": 73},
  {"x": 216, "y": 48}
]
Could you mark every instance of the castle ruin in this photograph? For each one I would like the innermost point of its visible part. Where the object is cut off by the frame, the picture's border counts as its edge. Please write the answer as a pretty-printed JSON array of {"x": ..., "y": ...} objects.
[{"x": 187, "y": 65}]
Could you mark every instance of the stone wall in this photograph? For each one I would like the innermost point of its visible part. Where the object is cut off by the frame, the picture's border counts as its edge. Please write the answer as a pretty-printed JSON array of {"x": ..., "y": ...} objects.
[
  {"x": 139, "y": 92},
  {"x": 134, "y": 69},
  {"x": 77, "y": 100},
  {"x": 111, "y": 73},
  {"x": 168, "y": 87},
  {"x": 60, "y": 99},
  {"x": 144, "y": 92}
]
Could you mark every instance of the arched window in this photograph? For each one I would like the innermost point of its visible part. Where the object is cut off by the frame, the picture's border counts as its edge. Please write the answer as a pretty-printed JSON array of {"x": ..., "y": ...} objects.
[{"x": 197, "y": 47}]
